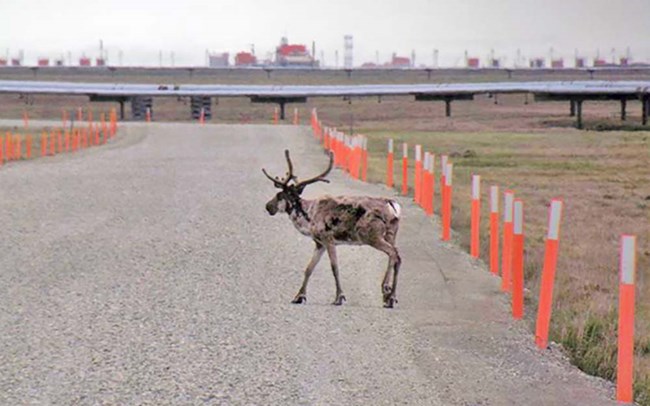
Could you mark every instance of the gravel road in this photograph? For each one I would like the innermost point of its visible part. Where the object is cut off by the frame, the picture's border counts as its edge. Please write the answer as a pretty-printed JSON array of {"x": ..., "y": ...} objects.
[{"x": 148, "y": 272}]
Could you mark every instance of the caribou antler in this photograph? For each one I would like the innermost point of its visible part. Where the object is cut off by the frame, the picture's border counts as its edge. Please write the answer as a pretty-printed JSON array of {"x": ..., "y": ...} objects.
[
  {"x": 319, "y": 178},
  {"x": 282, "y": 183}
]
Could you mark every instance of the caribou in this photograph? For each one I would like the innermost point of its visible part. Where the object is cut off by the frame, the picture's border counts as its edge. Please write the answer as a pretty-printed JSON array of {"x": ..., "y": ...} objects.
[{"x": 345, "y": 220}]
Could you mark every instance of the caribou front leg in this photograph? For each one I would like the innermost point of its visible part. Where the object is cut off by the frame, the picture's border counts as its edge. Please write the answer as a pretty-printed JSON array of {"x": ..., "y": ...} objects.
[
  {"x": 301, "y": 297},
  {"x": 331, "y": 251}
]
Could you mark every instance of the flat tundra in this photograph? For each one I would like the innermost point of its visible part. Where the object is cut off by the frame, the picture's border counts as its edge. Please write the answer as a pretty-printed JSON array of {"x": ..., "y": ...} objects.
[{"x": 345, "y": 220}]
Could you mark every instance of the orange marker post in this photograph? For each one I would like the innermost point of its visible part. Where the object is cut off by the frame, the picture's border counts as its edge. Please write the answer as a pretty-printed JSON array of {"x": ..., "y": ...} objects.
[
  {"x": 446, "y": 214},
  {"x": 12, "y": 146},
  {"x": 424, "y": 183},
  {"x": 390, "y": 162},
  {"x": 424, "y": 177},
  {"x": 148, "y": 115},
  {"x": 67, "y": 140},
  {"x": 417, "y": 180},
  {"x": 548, "y": 274},
  {"x": 8, "y": 146},
  {"x": 431, "y": 183},
  {"x": 494, "y": 230},
  {"x": 2, "y": 158},
  {"x": 475, "y": 220},
  {"x": 354, "y": 154},
  {"x": 104, "y": 128},
  {"x": 275, "y": 116},
  {"x": 364, "y": 159},
  {"x": 19, "y": 147},
  {"x": 84, "y": 138},
  {"x": 59, "y": 139},
  {"x": 506, "y": 255},
  {"x": 428, "y": 202},
  {"x": 405, "y": 169},
  {"x": 443, "y": 169},
  {"x": 351, "y": 153},
  {"x": 518, "y": 260},
  {"x": 52, "y": 143},
  {"x": 8, "y": 150},
  {"x": 28, "y": 147},
  {"x": 114, "y": 130},
  {"x": 334, "y": 144},
  {"x": 202, "y": 116},
  {"x": 346, "y": 153},
  {"x": 625, "y": 359},
  {"x": 296, "y": 119},
  {"x": 43, "y": 144},
  {"x": 326, "y": 138}
]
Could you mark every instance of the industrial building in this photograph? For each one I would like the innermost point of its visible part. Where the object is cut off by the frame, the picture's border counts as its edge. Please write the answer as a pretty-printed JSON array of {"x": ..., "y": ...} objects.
[
  {"x": 218, "y": 60},
  {"x": 245, "y": 59},
  {"x": 293, "y": 55}
]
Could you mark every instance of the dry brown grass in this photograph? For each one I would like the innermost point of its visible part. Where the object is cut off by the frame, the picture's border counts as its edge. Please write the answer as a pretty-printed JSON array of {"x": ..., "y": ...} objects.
[{"x": 603, "y": 178}]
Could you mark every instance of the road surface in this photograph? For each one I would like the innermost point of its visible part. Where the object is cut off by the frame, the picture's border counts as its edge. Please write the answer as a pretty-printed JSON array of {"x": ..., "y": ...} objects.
[{"x": 148, "y": 272}]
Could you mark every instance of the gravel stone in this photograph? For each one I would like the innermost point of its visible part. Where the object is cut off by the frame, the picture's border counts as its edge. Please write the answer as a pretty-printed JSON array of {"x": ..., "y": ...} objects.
[{"x": 147, "y": 272}]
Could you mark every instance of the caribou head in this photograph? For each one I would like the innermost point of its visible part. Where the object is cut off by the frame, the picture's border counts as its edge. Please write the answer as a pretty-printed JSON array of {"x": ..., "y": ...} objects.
[{"x": 288, "y": 199}]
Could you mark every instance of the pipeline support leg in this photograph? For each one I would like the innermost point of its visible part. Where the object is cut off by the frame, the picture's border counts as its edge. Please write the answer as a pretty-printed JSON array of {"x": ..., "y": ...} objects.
[{"x": 579, "y": 114}]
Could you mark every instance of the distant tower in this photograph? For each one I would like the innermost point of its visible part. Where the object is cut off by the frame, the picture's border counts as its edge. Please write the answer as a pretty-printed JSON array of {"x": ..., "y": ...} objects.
[{"x": 348, "y": 46}]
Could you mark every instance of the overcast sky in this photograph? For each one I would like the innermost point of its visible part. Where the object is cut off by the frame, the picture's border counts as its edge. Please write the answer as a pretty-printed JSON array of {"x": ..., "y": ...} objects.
[{"x": 140, "y": 29}]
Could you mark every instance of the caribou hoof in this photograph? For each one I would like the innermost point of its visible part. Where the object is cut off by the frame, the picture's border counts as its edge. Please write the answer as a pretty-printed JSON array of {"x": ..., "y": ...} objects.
[
  {"x": 390, "y": 303},
  {"x": 339, "y": 300},
  {"x": 387, "y": 290},
  {"x": 299, "y": 299}
]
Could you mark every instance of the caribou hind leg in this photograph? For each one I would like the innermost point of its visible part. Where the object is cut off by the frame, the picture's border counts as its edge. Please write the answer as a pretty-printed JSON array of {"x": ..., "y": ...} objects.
[
  {"x": 340, "y": 298},
  {"x": 394, "y": 262},
  {"x": 301, "y": 296}
]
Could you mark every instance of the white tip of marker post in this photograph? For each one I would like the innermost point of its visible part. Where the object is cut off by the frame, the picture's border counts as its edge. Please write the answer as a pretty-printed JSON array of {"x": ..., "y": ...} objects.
[
  {"x": 418, "y": 153},
  {"x": 476, "y": 187},
  {"x": 507, "y": 207},
  {"x": 518, "y": 226},
  {"x": 628, "y": 259},
  {"x": 449, "y": 173},
  {"x": 554, "y": 219},
  {"x": 390, "y": 145},
  {"x": 405, "y": 150},
  {"x": 494, "y": 199}
]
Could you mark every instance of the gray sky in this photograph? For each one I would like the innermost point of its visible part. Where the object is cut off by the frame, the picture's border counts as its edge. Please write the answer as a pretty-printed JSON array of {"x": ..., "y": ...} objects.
[{"x": 141, "y": 28}]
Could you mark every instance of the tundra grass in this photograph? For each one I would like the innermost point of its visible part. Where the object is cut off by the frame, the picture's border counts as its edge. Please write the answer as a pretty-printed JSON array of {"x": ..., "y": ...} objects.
[{"x": 604, "y": 181}]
